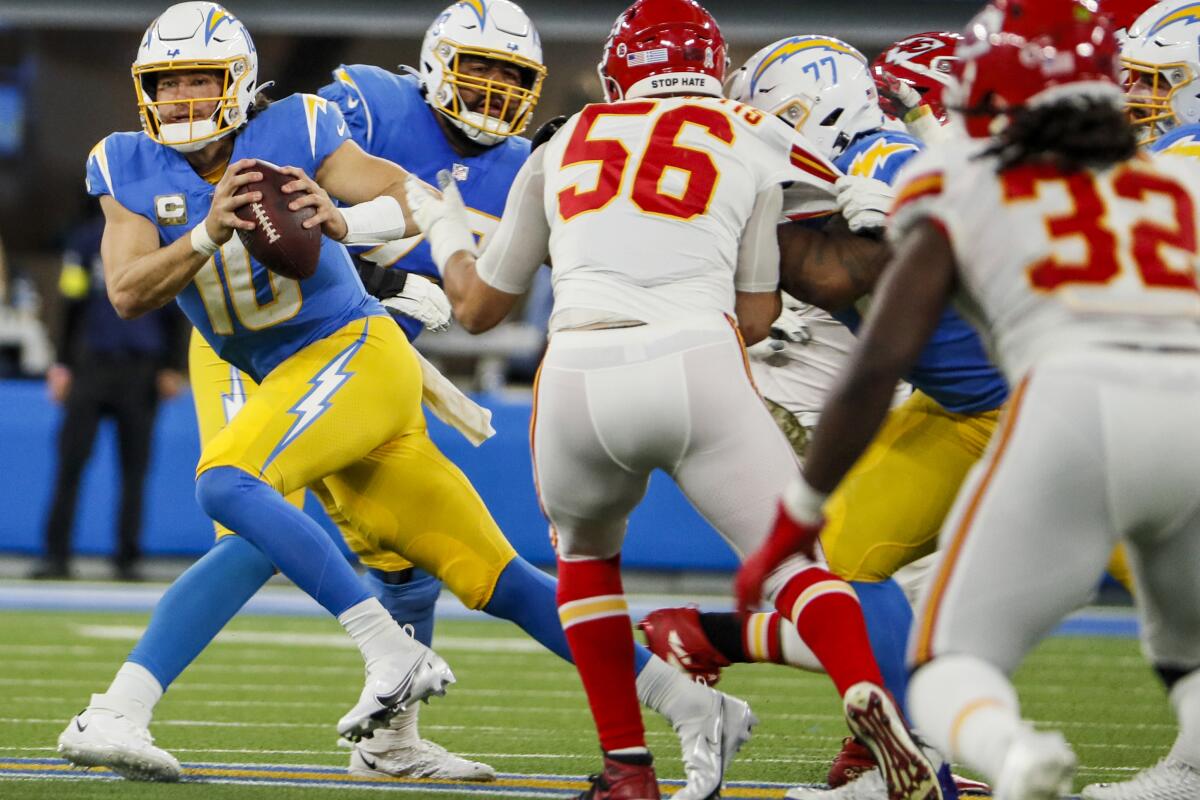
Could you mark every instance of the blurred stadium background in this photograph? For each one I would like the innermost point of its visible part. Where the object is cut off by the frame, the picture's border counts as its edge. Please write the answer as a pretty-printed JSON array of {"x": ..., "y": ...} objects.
[{"x": 65, "y": 83}]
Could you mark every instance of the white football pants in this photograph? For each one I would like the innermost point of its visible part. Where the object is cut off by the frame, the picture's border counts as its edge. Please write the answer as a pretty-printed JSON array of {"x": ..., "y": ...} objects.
[
  {"x": 1096, "y": 446},
  {"x": 613, "y": 405}
]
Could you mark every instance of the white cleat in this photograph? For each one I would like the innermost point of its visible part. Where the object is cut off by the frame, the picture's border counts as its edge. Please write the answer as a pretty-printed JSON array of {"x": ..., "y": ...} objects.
[
  {"x": 383, "y": 755},
  {"x": 413, "y": 676},
  {"x": 1038, "y": 766},
  {"x": 101, "y": 738},
  {"x": 1169, "y": 779},
  {"x": 709, "y": 743},
  {"x": 868, "y": 786},
  {"x": 905, "y": 769}
]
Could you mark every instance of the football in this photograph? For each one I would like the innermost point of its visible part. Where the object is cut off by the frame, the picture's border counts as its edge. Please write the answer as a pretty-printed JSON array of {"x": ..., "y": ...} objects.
[{"x": 279, "y": 241}]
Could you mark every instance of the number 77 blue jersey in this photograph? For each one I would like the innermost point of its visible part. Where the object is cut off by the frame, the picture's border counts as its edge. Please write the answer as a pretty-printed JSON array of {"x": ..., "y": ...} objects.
[
  {"x": 252, "y": 317},
  {"x": 954, "y": 368}
]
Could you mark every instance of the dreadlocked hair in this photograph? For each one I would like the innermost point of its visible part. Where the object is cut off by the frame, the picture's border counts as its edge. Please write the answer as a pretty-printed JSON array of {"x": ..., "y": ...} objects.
[{"x": 1071, "y": 134}]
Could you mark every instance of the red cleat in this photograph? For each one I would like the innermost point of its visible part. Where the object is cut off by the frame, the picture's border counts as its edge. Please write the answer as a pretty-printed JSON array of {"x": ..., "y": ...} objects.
[
  {"x": 622, "y": 781},
  {"x": 850, "y": 763},
  {"x": 854, "y": 759},
  {"x": 675, "y": 636}
]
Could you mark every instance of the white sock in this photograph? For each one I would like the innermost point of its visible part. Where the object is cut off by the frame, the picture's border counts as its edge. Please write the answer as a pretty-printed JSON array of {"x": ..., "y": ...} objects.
[
  {"x": 662, "y": 688},
  {"x": 374, "y": 631},
  {"x": 793, "y": 649},
  {"x": 628, "y": 751},
  {"x": 967, "y": 709},
  {"x": 133, "y": 692},
  {"x": 400, "y": 732},
  {"x": 1185, "y": 699}
]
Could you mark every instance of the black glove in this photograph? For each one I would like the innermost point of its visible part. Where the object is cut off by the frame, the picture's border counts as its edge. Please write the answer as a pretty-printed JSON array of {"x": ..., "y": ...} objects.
[
  {"x": 548, "y": 129},
  {"x": 380, "y": 282}
]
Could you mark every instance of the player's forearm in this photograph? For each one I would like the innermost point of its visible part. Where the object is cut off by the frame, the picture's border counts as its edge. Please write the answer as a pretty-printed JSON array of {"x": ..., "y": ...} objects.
[
  {"x": 468, "y": 295},
  {"x": 850, "y": 418},
  {"x": 140, "y": 285},
  {"x": 831, "y": 268}
]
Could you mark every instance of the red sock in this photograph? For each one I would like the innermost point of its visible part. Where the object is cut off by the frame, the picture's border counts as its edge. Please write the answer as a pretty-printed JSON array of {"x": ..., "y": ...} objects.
[
  {"x": 760, "y": 637},
  {"x": 826, "y": 612},
  {"x": 595, "y": 618}
]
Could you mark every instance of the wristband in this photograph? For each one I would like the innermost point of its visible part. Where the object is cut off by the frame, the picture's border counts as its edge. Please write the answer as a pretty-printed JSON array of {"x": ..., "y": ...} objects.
[
  {"x": 375, "y": 221},
  {"x": 202, "y": 243}
]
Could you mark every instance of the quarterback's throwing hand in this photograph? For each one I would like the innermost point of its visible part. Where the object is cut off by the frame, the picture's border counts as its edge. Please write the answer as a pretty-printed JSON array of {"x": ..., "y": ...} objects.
[
  {"x": 424, "y": 301},
  {"x": 788, "y": 538},
  {"x": 443, "y": 220},
  {"x": 864, "y": 202}
]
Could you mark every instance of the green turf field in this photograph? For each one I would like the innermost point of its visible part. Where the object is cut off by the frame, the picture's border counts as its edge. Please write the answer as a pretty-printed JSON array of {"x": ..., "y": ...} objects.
[{"x": 270, "y": 692}]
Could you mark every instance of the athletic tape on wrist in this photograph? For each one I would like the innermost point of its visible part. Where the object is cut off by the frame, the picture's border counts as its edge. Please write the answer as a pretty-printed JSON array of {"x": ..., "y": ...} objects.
[{"x": 202, "y": 243}]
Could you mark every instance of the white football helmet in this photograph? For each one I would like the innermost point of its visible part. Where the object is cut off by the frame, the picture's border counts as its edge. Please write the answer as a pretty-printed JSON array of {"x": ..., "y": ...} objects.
[
  {"x": 492, "y": 29},
  {"x": 1161, "y": 62},
  {"x": 818, "y": 84},
  {"x": 188, "y": 37}
]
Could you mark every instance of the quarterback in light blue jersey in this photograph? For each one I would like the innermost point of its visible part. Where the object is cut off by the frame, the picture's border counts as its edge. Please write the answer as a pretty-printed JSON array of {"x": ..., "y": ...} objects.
[
  {"x": 321, "y": 388},
  {"x": 323, "y": 352}
]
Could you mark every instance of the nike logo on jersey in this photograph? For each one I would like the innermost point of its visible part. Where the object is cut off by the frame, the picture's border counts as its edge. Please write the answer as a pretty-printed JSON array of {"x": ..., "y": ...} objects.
[{"x": 351, "y": 103}]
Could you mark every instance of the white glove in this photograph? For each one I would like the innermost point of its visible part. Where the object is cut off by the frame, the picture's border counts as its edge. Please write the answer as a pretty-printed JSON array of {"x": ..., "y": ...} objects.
[
  {"x": 443, "y": 220},
  {"x": 788, "y": 328},
  {"x": 864, "y": 202},
  {"x": 424, "y": 301}
]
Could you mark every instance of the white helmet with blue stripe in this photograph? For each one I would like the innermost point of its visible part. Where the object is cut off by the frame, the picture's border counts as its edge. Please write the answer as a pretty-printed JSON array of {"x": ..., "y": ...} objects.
[
  {"x": 196, "y": 36},
  {"x": 494, "y": 30},
  {"x": 818, "y": 84},
  {"x": 1161, "y": 59}
]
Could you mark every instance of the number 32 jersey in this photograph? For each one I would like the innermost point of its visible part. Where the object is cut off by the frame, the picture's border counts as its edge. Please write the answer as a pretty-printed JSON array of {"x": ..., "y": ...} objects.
[
  {"x": 252, "y": 317},
  {"x": 1051, "y": 261}
]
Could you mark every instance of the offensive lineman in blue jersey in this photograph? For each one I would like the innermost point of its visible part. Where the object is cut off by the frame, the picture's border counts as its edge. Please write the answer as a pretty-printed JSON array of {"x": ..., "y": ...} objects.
[
  {"x": 196, "y": 104},
  {"x": 888, "y": 512}
]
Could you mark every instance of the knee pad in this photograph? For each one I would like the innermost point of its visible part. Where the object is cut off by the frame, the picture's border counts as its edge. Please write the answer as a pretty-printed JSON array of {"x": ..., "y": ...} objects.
[{"x": 220, "y": 488}]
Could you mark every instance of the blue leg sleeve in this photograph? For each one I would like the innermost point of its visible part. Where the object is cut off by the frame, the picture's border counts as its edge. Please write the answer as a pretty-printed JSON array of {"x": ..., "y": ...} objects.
[
  {"x": 294, "y": 542},
  {"x": 527, "y": 596},
  {"x": 409, "y": 603},
  {"x": 198, "y": 605},
  {"x": 889, "y": 618}
]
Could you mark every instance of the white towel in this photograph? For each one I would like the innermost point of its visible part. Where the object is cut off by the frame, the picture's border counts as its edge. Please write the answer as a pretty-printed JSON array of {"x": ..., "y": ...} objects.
[{"x": 453, "y": 407}]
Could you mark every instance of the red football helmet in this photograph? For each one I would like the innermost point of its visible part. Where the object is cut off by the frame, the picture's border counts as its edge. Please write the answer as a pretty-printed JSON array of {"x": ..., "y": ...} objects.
[
  {"x": 1017, "y": 52},
  {"x": 924, "y": 61},
  {"x": 1123, "y": 13},
  {"x": 663, "y": 47}
]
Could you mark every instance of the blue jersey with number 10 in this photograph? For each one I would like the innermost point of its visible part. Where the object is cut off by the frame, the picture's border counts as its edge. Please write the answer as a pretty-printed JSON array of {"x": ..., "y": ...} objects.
[
  {"x": 252, "y": 317},
  {"x": 954, "y": 368}
]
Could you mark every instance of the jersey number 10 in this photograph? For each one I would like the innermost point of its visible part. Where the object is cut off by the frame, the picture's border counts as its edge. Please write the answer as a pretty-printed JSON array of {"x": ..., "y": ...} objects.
[
  {"x": 663, "y": 152},
  {"x": 238, "y": 280}
]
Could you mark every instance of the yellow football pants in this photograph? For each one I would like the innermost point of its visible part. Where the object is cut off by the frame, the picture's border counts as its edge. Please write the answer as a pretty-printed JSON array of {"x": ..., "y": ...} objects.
[
  {"x": 889, "y": 509},
  {"x": 343, "y": 417}
]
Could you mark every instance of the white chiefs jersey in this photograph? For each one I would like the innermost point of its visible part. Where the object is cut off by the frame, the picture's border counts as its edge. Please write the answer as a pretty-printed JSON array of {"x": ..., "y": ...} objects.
[
  {"x": 1051, "y": 261},
  {"x": 648, "y": 203}
]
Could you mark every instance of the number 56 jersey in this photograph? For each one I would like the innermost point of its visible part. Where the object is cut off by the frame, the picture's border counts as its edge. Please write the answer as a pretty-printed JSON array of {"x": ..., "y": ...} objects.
[
  {"x": 647, "y": 204},
  {"x": 1052, "y": 261},
  {"x": 253, "y": 318}
]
